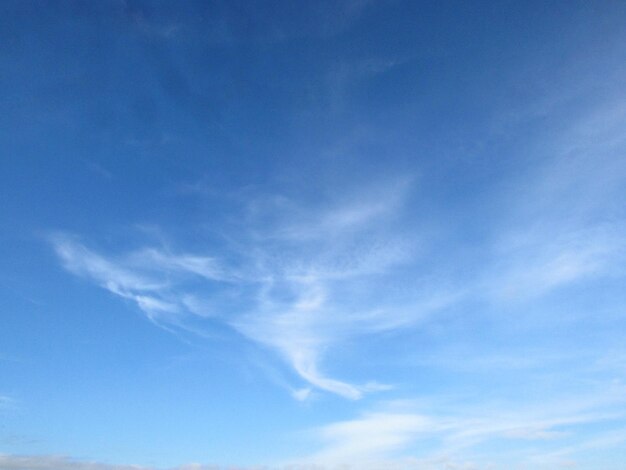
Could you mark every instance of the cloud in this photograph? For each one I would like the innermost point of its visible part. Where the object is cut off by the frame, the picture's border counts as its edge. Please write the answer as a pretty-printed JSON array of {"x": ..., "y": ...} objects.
[
  {"x": 146, "y": 290},
  {"x": 559, "y": 220},
  {"x": 6, "y": 402},
  {"x": 302, "y": 394},
  {"x": 301, "y": 283},
  {"x": 383, "y": 436},
  {"x": 203, "y": 266},
  {"x": 109, "y": 274},
  {"x": 537, "y": 262},
  {"x": 370, "y": 437},
  {"x": 301, "y": 275}
]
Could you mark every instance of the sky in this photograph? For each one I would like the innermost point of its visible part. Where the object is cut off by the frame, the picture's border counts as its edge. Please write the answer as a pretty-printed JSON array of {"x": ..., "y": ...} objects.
[{"x": 297, "y": 235}]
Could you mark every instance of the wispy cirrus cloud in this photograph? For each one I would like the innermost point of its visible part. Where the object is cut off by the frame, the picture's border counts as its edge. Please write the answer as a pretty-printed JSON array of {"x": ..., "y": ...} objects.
[
  {"x": 371, "y": 437},
  {"x": 385, "y": 435},
  {"x": 6, "y": 401},
  {"x": 537, "y": 261},
  {"x": 301, "y": 276},
  {"x": 561, "y": 220},
  {"x": 301, "y": 283}
]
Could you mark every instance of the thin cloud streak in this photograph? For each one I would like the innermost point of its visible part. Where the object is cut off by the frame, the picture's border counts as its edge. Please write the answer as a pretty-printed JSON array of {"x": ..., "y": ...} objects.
[{"x": 388, "y": 432}]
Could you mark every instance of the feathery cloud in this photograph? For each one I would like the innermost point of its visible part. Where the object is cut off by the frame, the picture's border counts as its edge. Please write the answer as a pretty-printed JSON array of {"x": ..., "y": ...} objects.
[{"x": 286, "y": 289}]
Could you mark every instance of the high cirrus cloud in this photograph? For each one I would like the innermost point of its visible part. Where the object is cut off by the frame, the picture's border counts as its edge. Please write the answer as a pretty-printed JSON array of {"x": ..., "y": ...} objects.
[
  {"x": 301, "y": 277},
  {"x": 543, "y": 433},
  {"x": 302, "y": 283}
]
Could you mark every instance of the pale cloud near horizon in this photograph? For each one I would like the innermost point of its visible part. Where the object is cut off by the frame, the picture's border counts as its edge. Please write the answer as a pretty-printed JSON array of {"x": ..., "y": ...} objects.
[
  {"x": 543, "y": 434},
  {"x": 390, "y": 430}
]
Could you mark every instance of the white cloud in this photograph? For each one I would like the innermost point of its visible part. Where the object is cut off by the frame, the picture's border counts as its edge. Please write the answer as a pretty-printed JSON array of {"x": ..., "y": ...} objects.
[
  {"x": 384, "y": 436},
  {"x": 301, "y": 283},
  {"x": 301, "y": 394},
  {"x": 565, "y": 219},
  {"x": 301, "y": 278},
  {"x": 108, "y": 273},
  {"x": 203, "y": 266},
  {"x": 371, "y": 437},
  {"x": 6, "y": 401},
  {"x": 543, "y": 261}
]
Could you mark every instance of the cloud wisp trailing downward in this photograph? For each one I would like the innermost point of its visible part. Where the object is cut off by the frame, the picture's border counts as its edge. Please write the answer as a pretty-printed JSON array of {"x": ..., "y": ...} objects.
[{"x": 301, "y": 284}]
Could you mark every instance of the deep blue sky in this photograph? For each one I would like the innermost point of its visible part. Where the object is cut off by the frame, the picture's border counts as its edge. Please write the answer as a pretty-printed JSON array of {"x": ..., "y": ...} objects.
[{"x": 378, "y": 233}]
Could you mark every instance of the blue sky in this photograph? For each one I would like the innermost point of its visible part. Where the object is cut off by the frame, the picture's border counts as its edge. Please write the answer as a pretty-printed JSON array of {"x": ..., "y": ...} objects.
[{"x": 379, "y": 234}]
